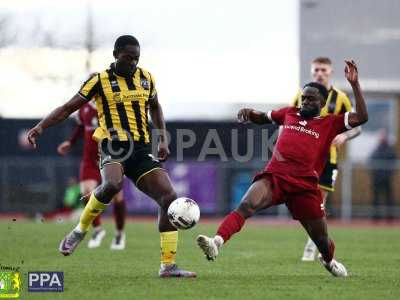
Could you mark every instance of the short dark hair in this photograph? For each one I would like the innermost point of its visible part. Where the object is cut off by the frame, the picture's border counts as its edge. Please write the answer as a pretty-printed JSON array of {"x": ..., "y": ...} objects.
[
  {"x": 125, "y": 40},
  {"x": 320, "y": 87},
  {"x": 322, "y": 60}
]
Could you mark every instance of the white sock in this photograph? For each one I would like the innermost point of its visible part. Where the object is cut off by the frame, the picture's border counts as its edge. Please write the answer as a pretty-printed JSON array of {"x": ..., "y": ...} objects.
[
  {"x": 310, "y": 245},
  {"x": 163, "y": 266},
  {"x": 219, "y": 241},
  {"x": 79, "y": 229}
]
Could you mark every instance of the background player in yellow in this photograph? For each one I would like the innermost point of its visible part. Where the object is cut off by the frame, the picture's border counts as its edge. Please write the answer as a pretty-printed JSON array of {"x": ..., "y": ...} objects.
[
  {"x": 124, "y": 95},
  {"x": 337, "y": 103}
]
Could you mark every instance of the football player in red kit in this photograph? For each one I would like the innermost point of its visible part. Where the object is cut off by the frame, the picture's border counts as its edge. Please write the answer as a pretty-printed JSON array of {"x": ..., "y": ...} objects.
[
  {"x": 291, "y": 177},
  {"x": 89, "y": 175}
]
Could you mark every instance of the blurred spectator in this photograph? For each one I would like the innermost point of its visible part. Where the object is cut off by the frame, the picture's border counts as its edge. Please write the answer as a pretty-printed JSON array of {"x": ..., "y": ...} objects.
[
  {"x": 382, "y": 158},
  {"x": 72, "y": 194},
  {"x": 71, "y": 202}
]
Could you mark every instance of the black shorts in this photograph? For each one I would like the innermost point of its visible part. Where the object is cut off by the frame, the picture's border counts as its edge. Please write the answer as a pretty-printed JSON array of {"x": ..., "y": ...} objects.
[
  {"x": 136, "y": 160},
  {"x": 328, "y": 177}
]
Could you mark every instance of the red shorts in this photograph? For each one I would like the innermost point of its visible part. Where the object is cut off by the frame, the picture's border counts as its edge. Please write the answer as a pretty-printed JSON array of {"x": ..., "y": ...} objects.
[
  {"x": 301, "y": 195},
  {"x": 89, "y": 170}
]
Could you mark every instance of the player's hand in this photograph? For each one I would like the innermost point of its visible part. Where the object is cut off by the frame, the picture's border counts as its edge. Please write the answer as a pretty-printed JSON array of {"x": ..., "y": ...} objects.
[
  {"x": 163, "y": 151},
  {"x": 33, "y": 134},
  {"x": 351, "y": 72},
  {"x": 244, "y": 115},
  {"x": 64, "y": 148},
  {"x": 339, "y": 140}
]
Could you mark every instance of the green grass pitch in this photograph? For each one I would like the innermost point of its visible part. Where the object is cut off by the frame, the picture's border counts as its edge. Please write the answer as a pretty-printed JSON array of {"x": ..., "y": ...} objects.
[{"x": 261, "y": 262}]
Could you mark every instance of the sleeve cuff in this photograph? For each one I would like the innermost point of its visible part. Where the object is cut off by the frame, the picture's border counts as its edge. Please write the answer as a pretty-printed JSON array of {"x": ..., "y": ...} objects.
[
  {"x": 346, "y": 121},
  {"x": 82, "y": 96},
  {"x": 269, "y": 116}
]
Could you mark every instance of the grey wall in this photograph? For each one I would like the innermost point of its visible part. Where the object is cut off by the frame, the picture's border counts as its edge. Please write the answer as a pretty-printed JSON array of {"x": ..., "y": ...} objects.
[{"x": 366, "y": 30}]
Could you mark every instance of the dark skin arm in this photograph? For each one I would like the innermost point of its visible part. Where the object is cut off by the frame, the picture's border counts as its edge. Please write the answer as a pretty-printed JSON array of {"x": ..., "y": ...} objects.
[
  {"x": 361, "y": 115},
  {"x": 250, "y": 115},
  {"x": 55, "y": 117},
  {"x": 157, "y": 117}
]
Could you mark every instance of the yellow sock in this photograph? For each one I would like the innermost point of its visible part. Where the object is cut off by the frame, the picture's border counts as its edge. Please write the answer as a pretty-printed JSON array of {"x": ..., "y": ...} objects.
[
  {"x": 169, "y": 244},
  {"x": 92, "y": 209}
]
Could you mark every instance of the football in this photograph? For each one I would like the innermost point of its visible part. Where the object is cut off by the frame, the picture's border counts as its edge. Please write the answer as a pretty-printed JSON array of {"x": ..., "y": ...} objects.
[{"x": 183, "y": 213}]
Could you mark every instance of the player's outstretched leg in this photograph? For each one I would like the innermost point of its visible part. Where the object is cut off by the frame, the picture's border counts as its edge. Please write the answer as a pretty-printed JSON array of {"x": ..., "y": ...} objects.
[
  {"x": 100, "y": 198},
  {"x": 317, "y": 230},
  {"x": 119, "y": 206},
  {"x": 157, "y": 185},
  {"x": 257, "y": 197},
  {"x": 310, "y": 249}
]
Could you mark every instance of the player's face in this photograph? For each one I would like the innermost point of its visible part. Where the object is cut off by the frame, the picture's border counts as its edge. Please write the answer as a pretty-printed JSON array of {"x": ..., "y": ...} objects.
[
  {"x": 127, "y": 60},
  {"x": 321, "y": 73},
  {"x": 311, "y": 103}
]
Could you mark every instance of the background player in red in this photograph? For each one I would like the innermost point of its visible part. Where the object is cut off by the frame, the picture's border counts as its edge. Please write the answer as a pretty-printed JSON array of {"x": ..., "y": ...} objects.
[
  {"x": 291, "y": 177},
  {"x": 89, "y": 175}
]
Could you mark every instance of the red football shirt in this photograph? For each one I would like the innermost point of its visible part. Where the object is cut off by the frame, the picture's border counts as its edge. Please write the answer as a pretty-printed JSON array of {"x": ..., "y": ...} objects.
[
  {"x": 87, "y": 118},
  {"x": 303, "y": 144}
]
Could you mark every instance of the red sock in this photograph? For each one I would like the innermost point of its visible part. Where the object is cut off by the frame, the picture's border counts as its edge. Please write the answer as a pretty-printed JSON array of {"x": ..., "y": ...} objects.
[
  {"x": 230, "y": 225},
  {"x": 119, "y": 214},
  {"x": 97, "y": 221},
  {"x": 331, "y": 251}
]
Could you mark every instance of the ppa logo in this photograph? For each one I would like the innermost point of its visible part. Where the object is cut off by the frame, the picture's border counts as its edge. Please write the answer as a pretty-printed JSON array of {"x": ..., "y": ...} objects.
[{"x": 45, "y": 281}]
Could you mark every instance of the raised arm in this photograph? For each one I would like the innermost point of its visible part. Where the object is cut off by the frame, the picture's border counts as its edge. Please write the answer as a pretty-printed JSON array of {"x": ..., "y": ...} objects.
[
  {"x": 360, "y": 116},
  {"x": 56, "y": 116}
]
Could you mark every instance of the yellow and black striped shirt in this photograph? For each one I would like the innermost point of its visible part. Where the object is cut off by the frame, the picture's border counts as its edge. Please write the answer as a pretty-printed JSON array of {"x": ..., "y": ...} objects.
[
  {"x": 122, "y": 104},
  {"x": 337, "y": 103}
]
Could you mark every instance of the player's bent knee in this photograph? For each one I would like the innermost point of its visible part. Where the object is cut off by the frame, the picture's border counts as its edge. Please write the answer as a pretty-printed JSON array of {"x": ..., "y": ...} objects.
[{"x": 109, "y": 189}]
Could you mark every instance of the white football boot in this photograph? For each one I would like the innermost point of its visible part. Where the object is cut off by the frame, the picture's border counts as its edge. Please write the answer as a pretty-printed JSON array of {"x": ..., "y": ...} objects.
[
  {"x": 118, "y": 242},
  {"x": 334, "y": 267},
  {"x": 210, "y": 246},
  {"x": 96, "y": 238},
  {"x": 310, "y": 251}
]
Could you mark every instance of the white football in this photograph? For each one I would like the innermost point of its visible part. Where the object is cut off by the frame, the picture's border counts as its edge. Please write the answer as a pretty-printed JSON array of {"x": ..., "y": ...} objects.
[{"x": 183, "y": 213}]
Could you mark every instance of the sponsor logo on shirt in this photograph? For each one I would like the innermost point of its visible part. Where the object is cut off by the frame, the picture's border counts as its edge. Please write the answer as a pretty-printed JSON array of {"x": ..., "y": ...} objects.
[
  {"x": 145, "y": 84},
  {"x": 302, "y": 130}
]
